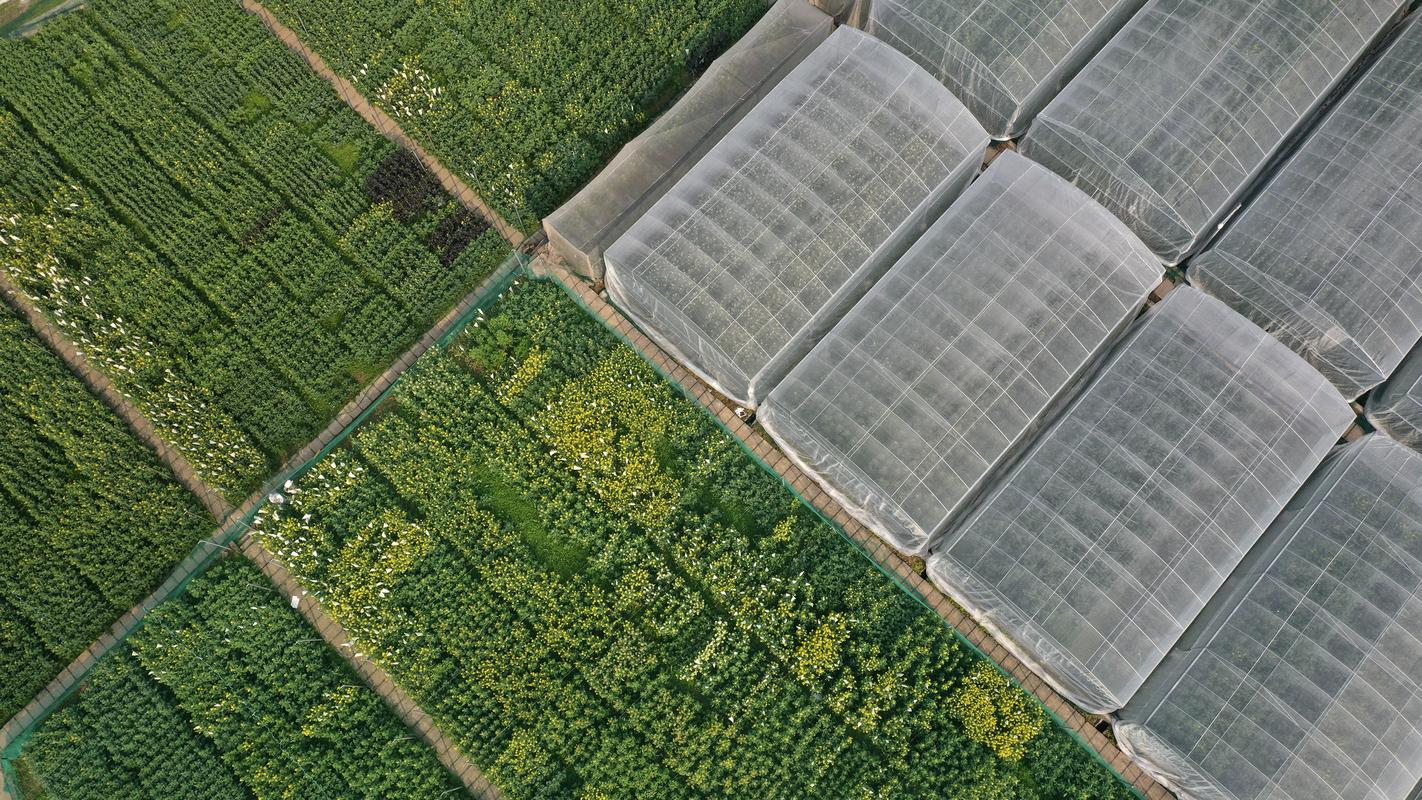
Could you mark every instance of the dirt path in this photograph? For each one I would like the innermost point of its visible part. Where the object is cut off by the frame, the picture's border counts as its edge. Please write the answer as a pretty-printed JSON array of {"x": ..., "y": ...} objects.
[
  {"x": 886, "y": 556},
  {"x": 100, "y": 385},
  {"x": 383, "y": 122},
  {"x": 409, "y": 712},
  {"x": 231, "y": 534}
]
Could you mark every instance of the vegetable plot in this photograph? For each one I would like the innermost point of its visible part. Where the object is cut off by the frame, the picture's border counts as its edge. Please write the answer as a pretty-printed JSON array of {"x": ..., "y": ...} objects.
[
  {"x": 90, "y": 520},
  {"x": 524, "y": 99},
  {"x": 226, "y": 693},
  {"x": 214, "y": 228},
  {"x": 597, "y": 594}
]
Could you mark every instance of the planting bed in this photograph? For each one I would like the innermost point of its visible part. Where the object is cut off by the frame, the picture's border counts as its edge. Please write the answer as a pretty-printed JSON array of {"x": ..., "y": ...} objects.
[
  {"x": 214, "y": 228},
  {"x": 90, "y": 520},
  {"x": 226, "y": 693},
  {"x": 598, "y": 594},
  {"x": 525, "y": 99}
]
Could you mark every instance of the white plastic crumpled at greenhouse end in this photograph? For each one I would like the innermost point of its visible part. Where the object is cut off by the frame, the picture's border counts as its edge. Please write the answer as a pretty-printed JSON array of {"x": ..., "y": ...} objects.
[
  {"x": 1303, "y": 677},
  {"x": 1003, "y": 59},
  {"x": 794, "y": 214},
  {"x": 952, "y": 359},
  {"x": 1104, "y": 541},
  {"x": 1172, "y": 121},
  {"x": 1328, "y": 257},
  {"x": 1396, "y": 408}
]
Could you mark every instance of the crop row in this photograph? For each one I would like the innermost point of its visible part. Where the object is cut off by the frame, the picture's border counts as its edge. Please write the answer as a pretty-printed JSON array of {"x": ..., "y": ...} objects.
[
  {"x": 226, "y": 694},
  {"x": 214, "y": 228},
  {"x": 90, "y": 520},
  {"x": 598, "y": 594},
  {"x": 525, "y": 99}
]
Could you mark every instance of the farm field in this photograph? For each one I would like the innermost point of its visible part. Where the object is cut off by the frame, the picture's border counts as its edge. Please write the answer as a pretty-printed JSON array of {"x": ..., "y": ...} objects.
[
  {"x": 225, "y": 692},
  {"x": 524, "y": 99},
  {"x": 90, "y": 520},
  {"x": 597, "y": 594},
  {"x": 214, "y": 228}
]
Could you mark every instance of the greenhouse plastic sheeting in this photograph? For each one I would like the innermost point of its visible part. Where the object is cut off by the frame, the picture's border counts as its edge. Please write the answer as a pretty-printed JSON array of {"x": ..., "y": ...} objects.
[
  {"x": 1396, "y": 408},
  {"x": 1003, "y": 59},
  {"x": 959, "y": 350},
  {"x": 1177, "y": 115},
  {"x": 1092, "y": 555},
  {"x": 1301, "y": 679},
  {"x": 791, "y": 217},
  {"x": 1328, "y": 257},
  {"x": 650, "y": 164}
]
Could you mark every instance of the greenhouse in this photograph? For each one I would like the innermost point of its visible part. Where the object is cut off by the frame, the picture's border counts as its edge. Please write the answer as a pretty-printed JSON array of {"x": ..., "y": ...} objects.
[
  {"x": 1327, "y": 258},
  {"x": 1174, "y": 119},
  {"x": 582, "y": 228},
  {"x": 1396, "y": 408},
  {"x": 1003, "y": 60},
  {"x": 790, "y": 218},
  {"x": 953, "y": 358},
  {"x": 1300, "y": 680},
  {"x": 1092, "y": 555}
]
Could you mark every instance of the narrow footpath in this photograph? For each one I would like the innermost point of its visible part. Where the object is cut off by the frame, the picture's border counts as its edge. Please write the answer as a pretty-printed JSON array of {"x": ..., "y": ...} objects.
[
  {"x": 383, "y": 122},
  {"x": 231, "y": 536}
]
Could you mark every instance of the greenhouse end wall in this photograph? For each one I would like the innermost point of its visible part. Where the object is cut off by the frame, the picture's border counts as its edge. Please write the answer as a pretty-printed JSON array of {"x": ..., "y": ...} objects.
[
  {"x": 646, "y": 168},
  {"x": 1005, "y": 59},
  {"x": 1327, "y": 257},
  {"x": 1171, "y": 123},
  {"x": 792, "y": 216},
  {"x": 1301, "y": 678},
  {"x": 957, "y": 353},
  {"x": 1105, "y": 539}
]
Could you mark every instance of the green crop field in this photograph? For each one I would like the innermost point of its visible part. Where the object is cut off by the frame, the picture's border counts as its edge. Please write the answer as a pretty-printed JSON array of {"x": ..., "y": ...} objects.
[
  {"x": 226, "y": 693},
  {"x": 598, "y": 594},
  {"x": 524, "y": 99},
  {"x": 214, "y": 228},
  {"x": 90, "y": 520}
]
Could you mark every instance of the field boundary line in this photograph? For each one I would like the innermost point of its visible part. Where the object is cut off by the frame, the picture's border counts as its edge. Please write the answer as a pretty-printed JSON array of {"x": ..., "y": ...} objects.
[
  {"x": 889, "y": 559},
  {"x": 382, "y": 121},
  {"x": 233, "y": 525},
  {"x": 407, "y": 709},
  {"x": 110, "y": 395}
]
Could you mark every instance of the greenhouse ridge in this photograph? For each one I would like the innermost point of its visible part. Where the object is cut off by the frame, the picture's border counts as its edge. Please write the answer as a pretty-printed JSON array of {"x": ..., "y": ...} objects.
[{"x": 914, "y": 258}]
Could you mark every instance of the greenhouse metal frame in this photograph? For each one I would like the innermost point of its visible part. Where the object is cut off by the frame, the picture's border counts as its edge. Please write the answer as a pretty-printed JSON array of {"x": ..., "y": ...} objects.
[
  {"x": 1005, "y": 60},
  {"x": 1184, "y": 109},
  {"x": 1301, "y": 680},
  {"x": 794, "y": 214},
  {"x": 905, "y": 407},
  {"x": 1100, "y": 545},
  {"x": 1396, "y": 407},
  {"x": 1327, "y": 257}
]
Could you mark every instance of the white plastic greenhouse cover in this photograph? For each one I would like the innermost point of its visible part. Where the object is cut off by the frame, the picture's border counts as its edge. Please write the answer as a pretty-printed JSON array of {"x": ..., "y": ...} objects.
[
  {"x": 956, "y": 354},
  {"x": 1328, "y": 257},
  {"x": 1003, "y": 59},
  {"x": 792, "y": 216},
  {"x": 582, "y": 228},
  {"x": 1174, "y": 118},
  {"x": 1396, "y": 408},
  {"x": 1301, "y": 679},
  {"x": 1092, "y": 555}
]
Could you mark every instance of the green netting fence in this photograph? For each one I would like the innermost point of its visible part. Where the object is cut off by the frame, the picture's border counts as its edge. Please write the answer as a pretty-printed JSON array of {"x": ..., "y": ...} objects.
[
  {"x": 221, "y": 544},
  {"x": 518, "y": 268}
]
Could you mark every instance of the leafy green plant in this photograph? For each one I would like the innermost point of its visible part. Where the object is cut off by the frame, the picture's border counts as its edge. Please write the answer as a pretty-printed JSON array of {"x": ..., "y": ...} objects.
[
  {"x": 214, "y": 228},
  {"x": 587, "y": 620}
]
